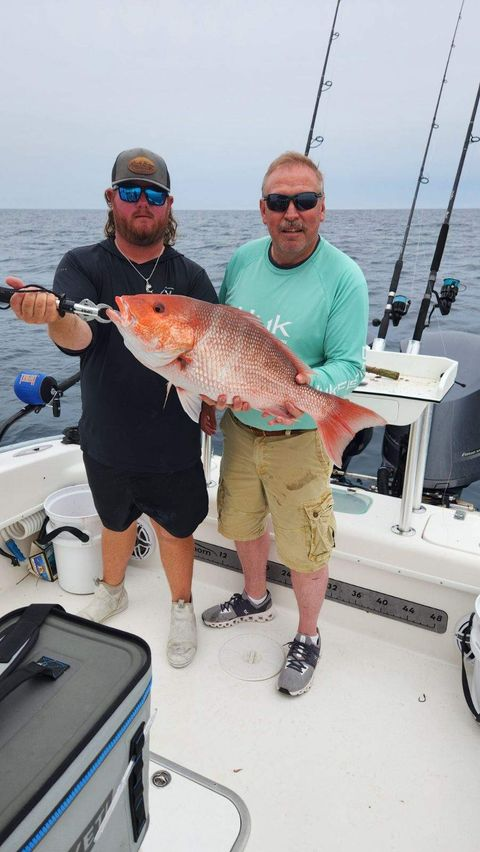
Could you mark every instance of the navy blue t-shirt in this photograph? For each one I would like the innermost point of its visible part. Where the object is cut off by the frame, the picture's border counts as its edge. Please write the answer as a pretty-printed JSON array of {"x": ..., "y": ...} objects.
[{"x": 126, "y": 422}]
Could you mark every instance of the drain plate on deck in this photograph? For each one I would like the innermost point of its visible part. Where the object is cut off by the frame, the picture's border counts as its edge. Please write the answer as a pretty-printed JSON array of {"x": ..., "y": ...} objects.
[{"x": 251, "y": 657}]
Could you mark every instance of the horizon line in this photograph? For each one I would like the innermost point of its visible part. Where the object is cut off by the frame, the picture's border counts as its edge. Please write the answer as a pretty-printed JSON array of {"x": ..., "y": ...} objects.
[{"x": 227, "y": 209}]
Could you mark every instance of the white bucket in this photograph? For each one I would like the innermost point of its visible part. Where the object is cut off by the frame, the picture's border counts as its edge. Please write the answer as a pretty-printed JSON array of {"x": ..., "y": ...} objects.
[
  {"x": 73, "y": 507},
  {"x": 475, "y": 647},
  {"x": 78, "y": 563}
]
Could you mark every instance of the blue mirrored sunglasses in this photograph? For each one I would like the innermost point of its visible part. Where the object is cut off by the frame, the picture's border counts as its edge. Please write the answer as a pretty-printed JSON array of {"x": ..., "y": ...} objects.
[{"x": 131, "y": 194}]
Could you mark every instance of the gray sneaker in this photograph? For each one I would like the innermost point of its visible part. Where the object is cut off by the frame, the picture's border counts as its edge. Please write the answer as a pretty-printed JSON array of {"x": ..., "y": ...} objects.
[
  {"x": 182, "y": 639},
  {"x": 238, "y": 608},
  {"x": 105, "y": 602},
  {"x": 297, "y": 674}
]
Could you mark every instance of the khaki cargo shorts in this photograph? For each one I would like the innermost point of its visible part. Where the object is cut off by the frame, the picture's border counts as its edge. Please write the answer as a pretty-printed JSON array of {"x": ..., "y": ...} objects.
[{"x": 286, "y": 476}]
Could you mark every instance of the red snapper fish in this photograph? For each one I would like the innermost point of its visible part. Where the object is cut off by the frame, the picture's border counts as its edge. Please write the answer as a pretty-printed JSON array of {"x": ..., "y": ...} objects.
[{"x": 209, "y": 349}]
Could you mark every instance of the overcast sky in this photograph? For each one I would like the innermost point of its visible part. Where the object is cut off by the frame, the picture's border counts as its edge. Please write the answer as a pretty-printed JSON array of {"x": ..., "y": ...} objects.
[{"x": 220, "y": 88}]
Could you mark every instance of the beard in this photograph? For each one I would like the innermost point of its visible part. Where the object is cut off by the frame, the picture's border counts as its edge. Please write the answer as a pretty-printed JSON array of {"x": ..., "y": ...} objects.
[{"x": 139, "y": 231}]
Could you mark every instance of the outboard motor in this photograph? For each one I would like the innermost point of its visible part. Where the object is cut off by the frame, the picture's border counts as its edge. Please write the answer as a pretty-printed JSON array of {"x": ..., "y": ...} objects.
[
  {"x": 453, "y": 460},
  {"x": 354, "y": 448}
]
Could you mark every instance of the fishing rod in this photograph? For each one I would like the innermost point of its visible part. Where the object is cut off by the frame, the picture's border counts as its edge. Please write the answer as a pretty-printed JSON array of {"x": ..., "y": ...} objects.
[
  {"x": 43, "y": 390},
  {"x": 422, "y": 322},
  {"x": 323, "y": 87},
  {"x": 37, "y": 389},
  {"x": 397, "y": 306}
]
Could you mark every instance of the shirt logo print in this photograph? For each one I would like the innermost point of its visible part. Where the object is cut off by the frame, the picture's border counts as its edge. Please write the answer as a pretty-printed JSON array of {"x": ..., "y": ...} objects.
[{"x": 275, "y": 326}]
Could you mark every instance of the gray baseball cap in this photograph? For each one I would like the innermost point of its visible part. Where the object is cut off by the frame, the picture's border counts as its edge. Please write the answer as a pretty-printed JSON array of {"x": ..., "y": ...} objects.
[{"x": 141, "y": 165}]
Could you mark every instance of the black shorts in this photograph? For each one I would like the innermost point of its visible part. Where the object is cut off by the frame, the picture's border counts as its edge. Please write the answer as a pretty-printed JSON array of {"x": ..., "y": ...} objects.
[{"x": 177, "y": 501}]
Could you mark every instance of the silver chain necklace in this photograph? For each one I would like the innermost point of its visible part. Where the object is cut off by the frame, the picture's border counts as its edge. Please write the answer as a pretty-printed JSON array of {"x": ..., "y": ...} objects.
[{"x": 148, "y": 286}]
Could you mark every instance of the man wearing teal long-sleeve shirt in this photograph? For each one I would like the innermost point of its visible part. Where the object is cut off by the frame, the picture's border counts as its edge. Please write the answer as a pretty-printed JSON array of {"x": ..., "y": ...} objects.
[{"x": 314, "y": 298}]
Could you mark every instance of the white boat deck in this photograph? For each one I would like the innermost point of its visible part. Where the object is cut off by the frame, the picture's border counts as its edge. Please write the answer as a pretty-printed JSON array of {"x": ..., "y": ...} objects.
[{"x": 381, "y": 754}]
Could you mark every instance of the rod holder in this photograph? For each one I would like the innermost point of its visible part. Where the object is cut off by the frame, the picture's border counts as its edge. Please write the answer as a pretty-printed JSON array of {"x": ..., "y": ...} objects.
[
  {"x": 404, "y": 526},
  {"x": 424, "y": 426}
]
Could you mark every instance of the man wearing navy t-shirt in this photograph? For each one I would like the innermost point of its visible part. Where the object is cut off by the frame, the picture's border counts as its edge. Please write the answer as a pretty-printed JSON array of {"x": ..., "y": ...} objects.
[{"x": 141, "y": 450}]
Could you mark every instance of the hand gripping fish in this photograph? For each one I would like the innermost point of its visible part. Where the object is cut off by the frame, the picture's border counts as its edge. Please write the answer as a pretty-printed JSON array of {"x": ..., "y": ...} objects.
[{"x": 209, "y": 349}]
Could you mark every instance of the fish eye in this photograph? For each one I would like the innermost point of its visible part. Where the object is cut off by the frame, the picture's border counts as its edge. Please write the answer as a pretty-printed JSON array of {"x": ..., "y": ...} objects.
[{"x": 159, "y": 308}]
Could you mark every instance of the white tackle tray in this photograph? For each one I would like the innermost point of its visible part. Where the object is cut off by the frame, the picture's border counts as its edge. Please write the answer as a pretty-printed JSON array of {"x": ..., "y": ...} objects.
[{"x": 423, "y": 379}]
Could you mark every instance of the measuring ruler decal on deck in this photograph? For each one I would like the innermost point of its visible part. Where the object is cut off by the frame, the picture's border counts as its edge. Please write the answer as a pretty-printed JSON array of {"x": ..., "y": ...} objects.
[{"x": 369, "y": 600}]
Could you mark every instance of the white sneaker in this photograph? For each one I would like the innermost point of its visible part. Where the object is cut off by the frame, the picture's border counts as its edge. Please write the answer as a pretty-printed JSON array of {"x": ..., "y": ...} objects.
[
  {"x": 105, "y": 603},
  {"x": 182, "y": 639}
]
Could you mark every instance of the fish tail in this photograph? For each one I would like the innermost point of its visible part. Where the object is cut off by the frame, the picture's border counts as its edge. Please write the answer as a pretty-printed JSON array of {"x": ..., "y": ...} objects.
[{"x": 343, "y": 421}]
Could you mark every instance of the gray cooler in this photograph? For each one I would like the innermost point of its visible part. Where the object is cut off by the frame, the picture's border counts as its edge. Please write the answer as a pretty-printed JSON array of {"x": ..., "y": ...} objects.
[{"x": 74, "y": 702}]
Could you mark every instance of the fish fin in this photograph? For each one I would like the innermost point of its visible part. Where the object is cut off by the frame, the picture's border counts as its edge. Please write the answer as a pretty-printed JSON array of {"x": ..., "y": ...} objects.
[
  {"x": 183, "y": 361},
  {"x": 275, "y": 411},
  {"x": 343, "y": 421},
  {"x": 300, "y": 366},
  {"x": 161, "y": 358},
  {"x": 169, "y": 387},
  {"x": 239, "y": 312},
  {"x": 251, "y": 319},
  {"x": 191, "y": 403}
]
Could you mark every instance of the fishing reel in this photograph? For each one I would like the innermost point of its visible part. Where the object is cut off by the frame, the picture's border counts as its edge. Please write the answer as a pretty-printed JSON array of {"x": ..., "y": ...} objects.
[
  {"x": 398, "y": 309},
  {"x": 448, "y": 294},
  {"x": 400, "y": 306},
  {"x": 38, "y": 389}
]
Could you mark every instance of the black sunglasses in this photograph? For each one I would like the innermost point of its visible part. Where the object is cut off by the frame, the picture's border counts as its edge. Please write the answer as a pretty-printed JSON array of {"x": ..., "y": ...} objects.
[
  {"x": 302, "y": 200},
  {"x": 131, "y": 194}
]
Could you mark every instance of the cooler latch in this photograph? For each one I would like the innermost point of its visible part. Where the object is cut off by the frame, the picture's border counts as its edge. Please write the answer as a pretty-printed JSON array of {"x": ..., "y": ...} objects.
[{"x": 135, "y": 783}]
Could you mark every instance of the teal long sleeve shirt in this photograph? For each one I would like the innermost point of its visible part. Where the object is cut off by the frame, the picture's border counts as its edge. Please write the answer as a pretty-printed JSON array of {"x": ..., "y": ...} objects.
[{"x": 319, "y": 309}]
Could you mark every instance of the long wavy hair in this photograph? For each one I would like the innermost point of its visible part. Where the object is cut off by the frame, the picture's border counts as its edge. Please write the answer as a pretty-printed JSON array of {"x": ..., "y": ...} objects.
[{"x": 168, "y": 238}]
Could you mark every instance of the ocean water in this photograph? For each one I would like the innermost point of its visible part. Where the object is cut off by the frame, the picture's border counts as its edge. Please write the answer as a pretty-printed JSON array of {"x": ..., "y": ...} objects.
[{"x": 33, "y": 241}]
